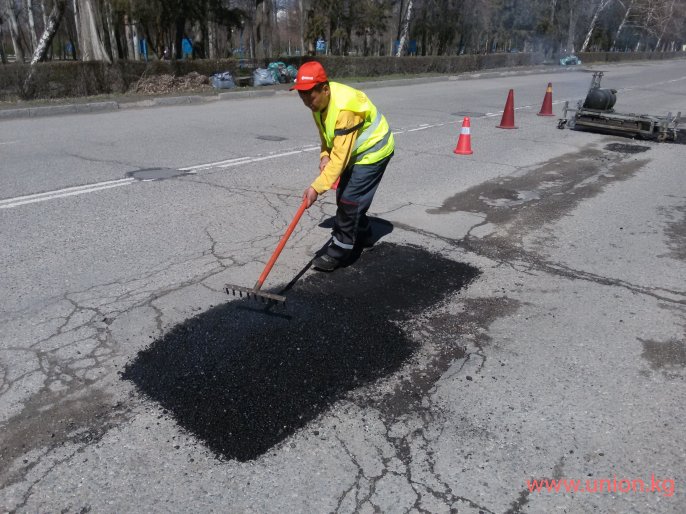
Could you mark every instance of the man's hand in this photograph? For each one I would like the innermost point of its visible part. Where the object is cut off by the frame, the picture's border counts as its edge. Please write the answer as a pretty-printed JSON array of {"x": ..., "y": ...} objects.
[
  {"x": 310, "y": 195},
  {"x": 323, "y": 162}
]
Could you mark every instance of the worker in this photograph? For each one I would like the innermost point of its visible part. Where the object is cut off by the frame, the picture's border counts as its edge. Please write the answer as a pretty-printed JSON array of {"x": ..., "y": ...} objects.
[{"x": 356, "y": 146}]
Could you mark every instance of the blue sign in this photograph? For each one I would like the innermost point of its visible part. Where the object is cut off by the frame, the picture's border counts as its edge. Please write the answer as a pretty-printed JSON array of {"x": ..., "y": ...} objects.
[
  {"x": 321, "y": 45},
  {"x": 187, "y": 47},
  {"x": 143, "y": 44}
]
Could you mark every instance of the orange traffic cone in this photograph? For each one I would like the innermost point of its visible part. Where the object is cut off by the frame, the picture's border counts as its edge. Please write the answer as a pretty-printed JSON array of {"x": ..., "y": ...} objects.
[
  {"x": 507, "y": 121},
  {"x": 464, "y": 142},
  {"x": 547, "y": 107}
]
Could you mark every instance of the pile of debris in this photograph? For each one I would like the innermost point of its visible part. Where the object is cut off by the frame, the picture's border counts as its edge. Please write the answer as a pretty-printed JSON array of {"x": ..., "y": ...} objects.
[{"x": 160, "y": 84}]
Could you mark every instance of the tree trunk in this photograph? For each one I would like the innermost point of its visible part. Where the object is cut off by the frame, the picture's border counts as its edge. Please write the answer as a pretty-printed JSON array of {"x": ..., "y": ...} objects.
[
  {"x": 14, "y": 31},
  {"x": 401, "y": 10},
  {"x": 198, "y": 41},
  {"x": 665, "y": 22},
  {"x": 92, "y": 48},
  {"x": 114, "y": 48},
  {"x": 129, "y": 38},
  {"x": 77, "y": 23},
  {"x": 276, "y": 39},
  {"x": 601, "y": 5},
  {"x": 53, "y": 23},
  {"x": 262, "y": 29},
  {"x": 571, "y": 31},
  {"x": 211, "y": 36},
  {"x": 178, "y": 37},
  {"x": 44, "y": 44},
  {"x": 32, "y": 24},
  {"x": 405, "y": 29},
  {"x": 43, "y": 14},
  {"x": 621, "y": 25},
  {"x": 135, "y": 41},
  {"x": 3, "y": 57},
  {"x": 301, "y": 20}
]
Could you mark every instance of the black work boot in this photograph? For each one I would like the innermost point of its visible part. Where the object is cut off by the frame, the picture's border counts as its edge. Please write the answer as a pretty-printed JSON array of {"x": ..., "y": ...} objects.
[{"x": 326, "y": 263}]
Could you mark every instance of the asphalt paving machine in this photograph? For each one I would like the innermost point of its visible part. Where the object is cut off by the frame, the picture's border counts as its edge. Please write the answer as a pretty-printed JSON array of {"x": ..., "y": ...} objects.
[{"x": 597, "y": 114}]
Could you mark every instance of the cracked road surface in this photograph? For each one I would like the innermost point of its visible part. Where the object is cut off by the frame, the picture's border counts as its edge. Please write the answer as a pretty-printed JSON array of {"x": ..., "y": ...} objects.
[{"x": 521, "y": 317}]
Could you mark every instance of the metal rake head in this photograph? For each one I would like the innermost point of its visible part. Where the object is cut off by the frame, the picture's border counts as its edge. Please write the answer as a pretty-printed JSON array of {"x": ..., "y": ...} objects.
[{"x": 255, "y": 294}]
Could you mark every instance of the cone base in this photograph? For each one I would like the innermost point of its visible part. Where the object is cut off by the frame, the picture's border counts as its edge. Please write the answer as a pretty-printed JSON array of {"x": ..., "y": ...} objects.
[
  {"x": 545, "y": 114},
  {"x": 506, "y": 127},
  {"x": 463, "y": 152}
]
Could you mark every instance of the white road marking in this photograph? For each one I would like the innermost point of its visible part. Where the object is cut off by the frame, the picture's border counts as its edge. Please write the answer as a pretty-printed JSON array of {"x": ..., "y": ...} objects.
[
  {"x": 9, "y": 203},
  {"x": 264, "y": 158},
  {"x": 229, "y": 163},
  {"x": 213, "y": 164}
]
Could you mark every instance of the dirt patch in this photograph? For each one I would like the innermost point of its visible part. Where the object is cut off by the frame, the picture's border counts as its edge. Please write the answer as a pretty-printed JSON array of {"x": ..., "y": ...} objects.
[
  {"x": 50, "y": 420},
  {"x": 160, "y": 84},
  {"x": 676, "y": 231},
  {"x": 667, "y": 354},
  {"x": 624, "y": 148},
  {"x": 546, "y": 192}
]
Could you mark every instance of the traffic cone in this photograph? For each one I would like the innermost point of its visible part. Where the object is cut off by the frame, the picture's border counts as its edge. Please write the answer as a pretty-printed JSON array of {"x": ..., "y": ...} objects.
[
  {"x": 507, "y": 121},
  {"x": 547, "y": 107},
  {"x": 464, "y": 142}
]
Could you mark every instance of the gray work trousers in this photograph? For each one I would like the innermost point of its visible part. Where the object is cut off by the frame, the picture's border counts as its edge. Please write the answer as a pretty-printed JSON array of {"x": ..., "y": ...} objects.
[{"x": 354, "y": 196}]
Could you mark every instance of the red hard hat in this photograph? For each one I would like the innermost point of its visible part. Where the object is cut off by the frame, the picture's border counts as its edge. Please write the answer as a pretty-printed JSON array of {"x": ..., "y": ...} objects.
[{"x": 309, "y": 75}]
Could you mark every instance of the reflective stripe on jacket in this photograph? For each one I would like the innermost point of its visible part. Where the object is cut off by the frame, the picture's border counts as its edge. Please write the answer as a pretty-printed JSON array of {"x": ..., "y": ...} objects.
[{"x": 374, "y": 138}]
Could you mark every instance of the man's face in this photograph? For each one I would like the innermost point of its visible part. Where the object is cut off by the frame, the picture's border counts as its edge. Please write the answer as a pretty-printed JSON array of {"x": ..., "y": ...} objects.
[{"x": 317, "y": 98}]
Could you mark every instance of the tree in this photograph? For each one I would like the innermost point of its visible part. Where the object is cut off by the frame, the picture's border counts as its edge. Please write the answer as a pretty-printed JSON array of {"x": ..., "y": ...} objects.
[
  {"x": 405, "y": 23},
  {"x": 3, "y": 57},
  {"x": 32, "y": 24},
  {"x": 627, "y": 12},
  {"x": 262, "y": 28},
  {"x": 601, "y": 4},
  {"x": 14, "y": 30},
  {"x": 51, "y": 26},
  {"x": 91, "y": 31}
]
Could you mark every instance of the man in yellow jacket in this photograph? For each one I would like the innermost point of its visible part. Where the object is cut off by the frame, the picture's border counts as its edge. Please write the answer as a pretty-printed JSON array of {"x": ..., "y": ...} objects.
[{"x": 356, "y": 146}]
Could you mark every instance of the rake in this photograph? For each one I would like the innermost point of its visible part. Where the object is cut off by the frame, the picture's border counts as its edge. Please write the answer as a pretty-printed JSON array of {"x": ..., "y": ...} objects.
[{"x": 255, "y": 293}]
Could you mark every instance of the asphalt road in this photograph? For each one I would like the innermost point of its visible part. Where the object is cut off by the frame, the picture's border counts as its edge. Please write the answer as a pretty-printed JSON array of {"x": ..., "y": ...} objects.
[{"x": 521, "y": 316}]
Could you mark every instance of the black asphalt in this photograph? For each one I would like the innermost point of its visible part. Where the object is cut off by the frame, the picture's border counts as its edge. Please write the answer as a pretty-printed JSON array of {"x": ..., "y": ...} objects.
[{"x": 241, "y": 379}]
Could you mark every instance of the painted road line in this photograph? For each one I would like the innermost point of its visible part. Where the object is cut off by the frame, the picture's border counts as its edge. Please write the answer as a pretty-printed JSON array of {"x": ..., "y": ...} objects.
[
  {"x": 425, "y": 126},
  {"x": 9, "y": 203},
  {"x": 213, "y": 164},
  {"x": 243, "y": 160},
  {"x": 258, "y": 159}
]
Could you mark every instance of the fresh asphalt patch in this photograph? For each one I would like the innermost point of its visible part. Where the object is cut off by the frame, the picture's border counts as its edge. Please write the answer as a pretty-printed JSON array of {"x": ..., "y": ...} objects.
[{"x": 242, "y": 379}]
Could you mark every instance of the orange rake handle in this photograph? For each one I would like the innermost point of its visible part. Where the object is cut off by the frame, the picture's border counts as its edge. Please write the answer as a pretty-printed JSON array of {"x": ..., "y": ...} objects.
[{"x": 280, "y": 246}]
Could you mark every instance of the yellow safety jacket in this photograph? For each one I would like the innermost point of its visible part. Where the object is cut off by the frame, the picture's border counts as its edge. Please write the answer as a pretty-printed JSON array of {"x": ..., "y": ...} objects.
[{"x": 374, "y": 138}]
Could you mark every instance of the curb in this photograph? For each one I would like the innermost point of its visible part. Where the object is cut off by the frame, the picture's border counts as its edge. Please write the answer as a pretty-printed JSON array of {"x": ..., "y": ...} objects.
[
  {"x": 109, "y": 106},
  {"x": 36, "y": 112}
]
